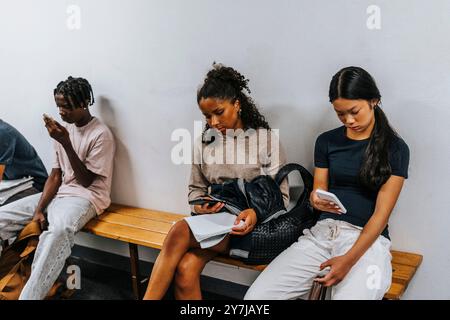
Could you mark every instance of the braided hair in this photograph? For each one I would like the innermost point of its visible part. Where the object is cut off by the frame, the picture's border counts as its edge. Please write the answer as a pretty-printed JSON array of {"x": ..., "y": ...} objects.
[
  {"x": 76, "y": 91},
  {"x": 223, "y": 82}
]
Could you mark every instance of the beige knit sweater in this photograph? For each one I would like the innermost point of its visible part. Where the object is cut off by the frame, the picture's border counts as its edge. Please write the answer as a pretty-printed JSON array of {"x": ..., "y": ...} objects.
[{"x": 236, "y": 155}]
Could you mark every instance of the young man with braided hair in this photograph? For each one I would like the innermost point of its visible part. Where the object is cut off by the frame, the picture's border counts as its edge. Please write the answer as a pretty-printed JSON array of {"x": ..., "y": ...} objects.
[{"x": 77, "y": 189}]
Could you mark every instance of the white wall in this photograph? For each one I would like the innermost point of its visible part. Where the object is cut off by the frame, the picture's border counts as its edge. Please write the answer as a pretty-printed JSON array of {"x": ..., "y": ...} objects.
[{"x": 145, "y": 60}]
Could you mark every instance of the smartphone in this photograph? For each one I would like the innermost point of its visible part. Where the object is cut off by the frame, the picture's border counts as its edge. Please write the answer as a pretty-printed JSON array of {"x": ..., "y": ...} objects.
[
  {"x": 210, "y": 202},
  {"x": 48, "y": 118},
  {"x": 325, "y": 195}
]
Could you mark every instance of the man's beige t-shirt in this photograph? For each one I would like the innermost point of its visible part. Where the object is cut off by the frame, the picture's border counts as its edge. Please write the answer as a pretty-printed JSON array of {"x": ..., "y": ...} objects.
[{"x": 94, "y": 145}]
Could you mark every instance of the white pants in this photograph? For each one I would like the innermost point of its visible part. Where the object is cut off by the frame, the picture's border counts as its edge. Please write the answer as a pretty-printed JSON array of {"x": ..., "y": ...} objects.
[
  {"x": 291, "y": 274},
  {"x": 66, "y": 216}
]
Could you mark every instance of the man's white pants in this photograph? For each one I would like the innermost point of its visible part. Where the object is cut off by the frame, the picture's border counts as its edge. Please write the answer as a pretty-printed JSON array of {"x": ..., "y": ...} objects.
[
  {"x": 291, "y": 274},
  {"x": 66, "y": 216}
]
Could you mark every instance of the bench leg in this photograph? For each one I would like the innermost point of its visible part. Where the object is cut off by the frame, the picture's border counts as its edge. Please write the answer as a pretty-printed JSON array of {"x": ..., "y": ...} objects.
[{"x": 135, "y": 275}]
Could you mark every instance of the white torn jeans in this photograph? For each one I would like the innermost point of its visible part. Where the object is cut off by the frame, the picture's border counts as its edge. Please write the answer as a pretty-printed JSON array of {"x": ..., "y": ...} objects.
[
  {"x": 65, "y": 216},
  {"x": 291, "y": 274}
]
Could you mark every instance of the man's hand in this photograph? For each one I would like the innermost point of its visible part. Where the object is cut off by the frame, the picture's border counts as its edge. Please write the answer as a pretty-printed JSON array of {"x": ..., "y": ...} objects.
[
  {"x": 40, "y": 218},
  {"x": 248, "y": 216},
  {"x": 57, "y": 131}
]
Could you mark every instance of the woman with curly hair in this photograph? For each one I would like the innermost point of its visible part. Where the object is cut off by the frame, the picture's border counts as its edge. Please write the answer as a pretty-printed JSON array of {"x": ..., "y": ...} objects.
[{"x": 232, "y": 118}]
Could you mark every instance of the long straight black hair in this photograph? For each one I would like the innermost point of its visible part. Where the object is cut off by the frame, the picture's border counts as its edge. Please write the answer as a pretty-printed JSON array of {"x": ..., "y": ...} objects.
[{"x": 355, "y": 83}]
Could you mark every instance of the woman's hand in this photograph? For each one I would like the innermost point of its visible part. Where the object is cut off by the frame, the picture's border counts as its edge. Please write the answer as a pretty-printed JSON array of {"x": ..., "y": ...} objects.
[
  {"x": 249, "y": 218},
  {"x": 340, "y": 266},
  {"x": 206, "y": 208},
  {"x": 323, "y": 205}
]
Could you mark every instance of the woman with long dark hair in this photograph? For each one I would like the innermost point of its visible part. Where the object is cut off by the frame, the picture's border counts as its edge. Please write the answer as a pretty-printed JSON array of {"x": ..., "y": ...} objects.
[
  {"x": 364, "y": 163},
  {"x": 232, "y": 118}
]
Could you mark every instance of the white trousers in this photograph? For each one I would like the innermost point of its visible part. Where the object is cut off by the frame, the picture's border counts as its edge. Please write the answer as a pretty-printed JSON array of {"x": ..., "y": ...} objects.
[
  {"x": 291, "y": 274},
  {"x": 66, "y": 216}
]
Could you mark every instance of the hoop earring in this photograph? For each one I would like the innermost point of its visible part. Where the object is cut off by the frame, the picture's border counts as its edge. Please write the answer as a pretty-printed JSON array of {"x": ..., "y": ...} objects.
[{"x": 239, "y": 113}]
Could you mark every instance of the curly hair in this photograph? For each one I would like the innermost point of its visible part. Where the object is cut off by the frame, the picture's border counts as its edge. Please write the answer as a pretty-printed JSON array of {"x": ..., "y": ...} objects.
[
  {"x": 76, "y": 91},
  {"x": 223, "y": 82}
]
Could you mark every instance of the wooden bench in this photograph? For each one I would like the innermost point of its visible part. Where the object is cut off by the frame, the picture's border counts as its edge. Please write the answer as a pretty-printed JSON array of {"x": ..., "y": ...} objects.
[{"x": 148, "y": 228}]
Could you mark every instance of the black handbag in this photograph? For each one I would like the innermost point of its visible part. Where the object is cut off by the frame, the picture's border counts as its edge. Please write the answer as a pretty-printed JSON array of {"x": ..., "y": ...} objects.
[
  {"x": 262, "y": 194},
  {"x": 270, "y": 236},
  {"x": 268, "y": 240}
]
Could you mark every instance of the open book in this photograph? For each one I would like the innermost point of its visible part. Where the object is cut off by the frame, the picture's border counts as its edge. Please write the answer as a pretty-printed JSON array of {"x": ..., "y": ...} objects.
[
  {"x": 210, "y": 229},
  {"x": 9, "y": 188}
]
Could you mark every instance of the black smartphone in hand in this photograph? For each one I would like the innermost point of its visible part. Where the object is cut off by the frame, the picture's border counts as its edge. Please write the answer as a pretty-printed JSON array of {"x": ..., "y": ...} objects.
[{"x": 201, "y": 202}]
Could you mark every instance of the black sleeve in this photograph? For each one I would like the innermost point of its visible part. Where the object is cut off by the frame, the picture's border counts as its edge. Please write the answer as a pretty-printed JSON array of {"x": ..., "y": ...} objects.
[
  {"x": 321, "y": 152},
  {"x": 399, "y": 159}
]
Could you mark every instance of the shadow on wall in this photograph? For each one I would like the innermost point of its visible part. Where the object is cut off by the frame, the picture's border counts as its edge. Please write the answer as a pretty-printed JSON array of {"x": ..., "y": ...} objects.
[{"x": 123, "y": 184}]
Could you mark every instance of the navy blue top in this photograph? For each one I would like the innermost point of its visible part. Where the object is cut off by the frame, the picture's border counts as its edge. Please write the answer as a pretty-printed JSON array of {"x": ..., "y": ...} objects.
[
  {"x": 343, "y": 158},
  {"x": 19, "y": 157}
]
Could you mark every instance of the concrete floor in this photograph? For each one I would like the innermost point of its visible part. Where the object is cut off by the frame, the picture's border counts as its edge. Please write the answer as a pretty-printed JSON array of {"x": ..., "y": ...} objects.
[{"x": 99, "y": 282}]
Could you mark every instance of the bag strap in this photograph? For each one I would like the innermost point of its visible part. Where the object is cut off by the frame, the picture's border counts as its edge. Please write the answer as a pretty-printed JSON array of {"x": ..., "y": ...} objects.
[
  {"x": 31, "y": 246},
  {"x": 30, "y": 230},
  {"x": 11, "y": 273},
  {"x": 288, "y": 168}
]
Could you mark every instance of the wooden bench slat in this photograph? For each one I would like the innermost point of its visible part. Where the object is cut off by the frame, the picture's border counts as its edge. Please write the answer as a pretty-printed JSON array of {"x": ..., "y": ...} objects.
[
  {"x": 135, "y": 222},
  {"x": 406, "y": 258},
  {"x": 395, "y": 291},
  {"x": 145, "y": 213},
  {"x": 402, "y": 273},
  {"x": 240, "y": 264},
  {"x": 127, "y": 234},
  {"x": 157, "y": 216}
]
